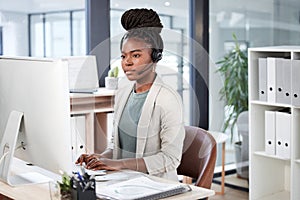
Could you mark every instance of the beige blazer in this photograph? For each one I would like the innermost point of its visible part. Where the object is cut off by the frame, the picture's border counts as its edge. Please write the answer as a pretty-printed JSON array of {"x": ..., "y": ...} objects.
[{"x": 160, "y": 131}]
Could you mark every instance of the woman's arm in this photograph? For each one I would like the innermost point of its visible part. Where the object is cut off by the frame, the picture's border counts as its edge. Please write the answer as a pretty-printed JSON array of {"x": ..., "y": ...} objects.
[
  {"x": 136, "y": 164},
  {"x": 169, "y": 110}
]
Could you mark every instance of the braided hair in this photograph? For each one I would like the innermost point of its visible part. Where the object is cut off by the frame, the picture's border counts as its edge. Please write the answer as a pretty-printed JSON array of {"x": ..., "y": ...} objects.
[{"x": 143, "y": 24}]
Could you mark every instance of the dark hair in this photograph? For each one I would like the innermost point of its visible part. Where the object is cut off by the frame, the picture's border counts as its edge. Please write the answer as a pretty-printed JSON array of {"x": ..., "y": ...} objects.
[{"x": 143, "y": 24}]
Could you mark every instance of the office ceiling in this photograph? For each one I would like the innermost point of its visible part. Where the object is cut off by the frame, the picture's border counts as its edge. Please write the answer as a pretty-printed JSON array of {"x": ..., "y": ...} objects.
[
  {"x": 175, "y": 7},
  {"x": 37, "y": 6},
  {"x": 29, "y": 6},
  {"x": 34, "y": 6}
]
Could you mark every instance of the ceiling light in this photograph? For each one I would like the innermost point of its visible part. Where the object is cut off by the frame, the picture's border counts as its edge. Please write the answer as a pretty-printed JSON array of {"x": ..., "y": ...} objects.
[{"x": 167, "y": 3}]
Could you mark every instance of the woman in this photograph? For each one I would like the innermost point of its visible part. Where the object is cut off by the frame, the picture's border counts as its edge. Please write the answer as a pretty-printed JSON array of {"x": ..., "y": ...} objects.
[{"x": 148, "y": 130}]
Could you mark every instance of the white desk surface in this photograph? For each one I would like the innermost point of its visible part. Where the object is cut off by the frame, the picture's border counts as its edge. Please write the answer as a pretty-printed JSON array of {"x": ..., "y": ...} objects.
[
  {"x": 196, "y": 193},
  {"x": 30, "y": 191},
  {"x": 100, "y": 92},
  {"x": 41, "y": 191}
]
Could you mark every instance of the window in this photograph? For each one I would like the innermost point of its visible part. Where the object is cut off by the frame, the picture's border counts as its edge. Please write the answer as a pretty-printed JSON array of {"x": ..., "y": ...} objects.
[
  {"x": 256, "y": 23},
  {"x": 57, "y": 34},
  {"x": 1, "y": 45}
]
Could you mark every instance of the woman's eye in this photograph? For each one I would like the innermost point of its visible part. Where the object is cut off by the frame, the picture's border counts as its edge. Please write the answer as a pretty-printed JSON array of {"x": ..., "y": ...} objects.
[
  {"x": 136, "y": 55},
  {"x": 122, "y": 56}
]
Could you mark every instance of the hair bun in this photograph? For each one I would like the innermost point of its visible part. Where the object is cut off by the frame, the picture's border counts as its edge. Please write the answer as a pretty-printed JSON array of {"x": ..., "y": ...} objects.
[{"x": 141, "y": 18}]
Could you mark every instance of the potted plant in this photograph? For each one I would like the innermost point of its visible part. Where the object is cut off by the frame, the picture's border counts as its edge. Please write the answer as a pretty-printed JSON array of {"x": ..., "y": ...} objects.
[
  {"x": 111, "y": 81},
  {"x": 234, "y": 69},
  {"x": 65, "y": 187}
]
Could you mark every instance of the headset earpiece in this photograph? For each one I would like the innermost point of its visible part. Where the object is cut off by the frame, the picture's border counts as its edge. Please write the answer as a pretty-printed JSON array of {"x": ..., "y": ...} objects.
[{"x": 156, "y": 55}]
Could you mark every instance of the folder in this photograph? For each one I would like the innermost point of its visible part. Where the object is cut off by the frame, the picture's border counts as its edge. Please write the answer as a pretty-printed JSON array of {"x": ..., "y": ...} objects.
[
  {"x": 78, "y": 136},
  {"x": 283, "y": 81},
  {"x": 295, "y": 82},
  {"x": 283, "y": 134},
  {"x": 270, "y": 133},
  {"x": 271, "y": 78},
  {"x": 262, "y": 79}
]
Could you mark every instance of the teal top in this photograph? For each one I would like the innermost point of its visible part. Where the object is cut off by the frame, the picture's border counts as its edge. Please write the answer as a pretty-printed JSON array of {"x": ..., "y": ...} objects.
[{"x": 129, "y": 122}]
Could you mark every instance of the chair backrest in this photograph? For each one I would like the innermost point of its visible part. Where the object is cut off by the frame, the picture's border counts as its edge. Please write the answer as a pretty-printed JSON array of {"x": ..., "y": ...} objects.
[{"x": 199, "y": 156}]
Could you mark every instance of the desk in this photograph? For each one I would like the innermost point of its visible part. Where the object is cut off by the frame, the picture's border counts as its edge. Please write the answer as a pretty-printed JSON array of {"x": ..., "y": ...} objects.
[
  {"x": 115, "y": 177},
  {"x": 95, "y": 108},
  {"x": 41, "y": 191},
  {"x": 221, "y": 138},
  {"x": 30, "y": 191}
]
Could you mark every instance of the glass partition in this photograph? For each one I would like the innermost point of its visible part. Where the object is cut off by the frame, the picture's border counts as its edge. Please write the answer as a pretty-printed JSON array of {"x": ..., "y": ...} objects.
[{"x": 255, "y": 23}]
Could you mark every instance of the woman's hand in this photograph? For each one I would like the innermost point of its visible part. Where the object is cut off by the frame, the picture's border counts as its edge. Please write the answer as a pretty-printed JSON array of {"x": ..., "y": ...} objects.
[
  {"x": 103, "y": 164},
  {"x": 86, "y": 158}
]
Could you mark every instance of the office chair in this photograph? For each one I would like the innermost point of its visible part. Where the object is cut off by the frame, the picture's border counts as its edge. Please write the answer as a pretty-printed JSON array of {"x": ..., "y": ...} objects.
[{"x": 199, "y": 156}]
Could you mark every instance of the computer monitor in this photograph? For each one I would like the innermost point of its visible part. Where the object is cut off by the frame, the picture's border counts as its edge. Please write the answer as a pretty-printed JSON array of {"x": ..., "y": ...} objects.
[
  {"x": 83, "y": 74},
  {"x": 34, "y": 115}
]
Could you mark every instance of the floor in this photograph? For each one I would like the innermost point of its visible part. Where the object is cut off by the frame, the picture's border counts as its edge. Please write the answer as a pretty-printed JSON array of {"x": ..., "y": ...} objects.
[
  {"x": 236, "y": 189},
  {"x": 230, "y": 194}
]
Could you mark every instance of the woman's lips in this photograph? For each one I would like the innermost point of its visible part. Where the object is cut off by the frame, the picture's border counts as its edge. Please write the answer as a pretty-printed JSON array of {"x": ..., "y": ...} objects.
[{"x": 129, "y": 72}]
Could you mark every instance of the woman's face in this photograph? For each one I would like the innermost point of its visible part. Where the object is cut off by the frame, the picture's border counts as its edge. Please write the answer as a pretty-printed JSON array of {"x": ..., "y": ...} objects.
[{"x": 136, "y": 59}]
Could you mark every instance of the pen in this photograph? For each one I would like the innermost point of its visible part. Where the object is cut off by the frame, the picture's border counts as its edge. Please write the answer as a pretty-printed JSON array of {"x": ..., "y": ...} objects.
[
  {"x": 92, "y": 177},
  {"x": 82, "y": 169},
  {"x": 89, "y": 184},
  {"x": 80, "y": 179}
]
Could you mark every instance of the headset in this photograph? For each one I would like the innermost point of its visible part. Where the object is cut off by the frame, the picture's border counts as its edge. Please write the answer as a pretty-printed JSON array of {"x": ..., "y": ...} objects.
[{"x": 156, "y": 55}]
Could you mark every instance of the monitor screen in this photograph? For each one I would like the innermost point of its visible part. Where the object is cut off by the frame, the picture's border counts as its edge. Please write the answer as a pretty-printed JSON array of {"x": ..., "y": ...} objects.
[
  {"x": 38, "y": 89},
  {"x": 83, "y": 75}
]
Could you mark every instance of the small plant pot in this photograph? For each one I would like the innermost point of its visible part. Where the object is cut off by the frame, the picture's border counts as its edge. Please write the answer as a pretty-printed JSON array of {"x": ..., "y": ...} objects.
[
  {"x": 111, "y": 83},
  {"x": 242, "y": 165}
]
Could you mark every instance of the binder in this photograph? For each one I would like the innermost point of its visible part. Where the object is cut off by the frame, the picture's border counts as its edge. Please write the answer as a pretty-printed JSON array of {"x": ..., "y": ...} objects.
[
  {"x": 283, "y": 134},
  {"x": 262, "y": 79},
  {"x": 78, "y": 136},
  {"x": 270, "y": 133},
  {"x": 271, "y": 78},
  {"x": 295, "y": 82},
  {"x": 283, "y": 81}
]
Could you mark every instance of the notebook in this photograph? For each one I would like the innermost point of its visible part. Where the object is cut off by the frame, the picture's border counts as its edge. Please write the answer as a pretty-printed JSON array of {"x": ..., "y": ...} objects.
[{"x": 141, "y": 188}]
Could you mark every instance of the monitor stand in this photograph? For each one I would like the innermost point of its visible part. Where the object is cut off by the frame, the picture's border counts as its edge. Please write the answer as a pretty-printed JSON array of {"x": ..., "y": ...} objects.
[{"x": 8, "y": 163}]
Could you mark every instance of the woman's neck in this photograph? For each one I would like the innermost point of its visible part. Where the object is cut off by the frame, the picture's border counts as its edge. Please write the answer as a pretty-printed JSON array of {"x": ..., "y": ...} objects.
[
  {"x": 144, "y": 85},
  {"x": 143, "y": 88}
]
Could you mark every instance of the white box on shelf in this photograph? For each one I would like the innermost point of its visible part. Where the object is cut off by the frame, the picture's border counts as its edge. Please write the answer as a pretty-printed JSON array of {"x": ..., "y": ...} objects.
[
  {"x": 78, "y": 136},
  {"x": 283, "y": 134},
  {"x": 271, "y": 78},
  {"x": 283, "y": 81},
  {"x": 295, "y": 82},
  {"x": 270, "y": 133},
  {"x": 262, "y": 79}
]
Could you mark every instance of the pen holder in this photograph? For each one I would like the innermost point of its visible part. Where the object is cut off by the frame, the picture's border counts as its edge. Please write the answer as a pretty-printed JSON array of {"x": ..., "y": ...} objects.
[{"x": 80, "y": 192}]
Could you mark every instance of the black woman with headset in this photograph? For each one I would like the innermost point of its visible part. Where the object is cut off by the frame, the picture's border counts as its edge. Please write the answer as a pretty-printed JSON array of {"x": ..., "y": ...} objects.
[{"x": 148, "y": 124}]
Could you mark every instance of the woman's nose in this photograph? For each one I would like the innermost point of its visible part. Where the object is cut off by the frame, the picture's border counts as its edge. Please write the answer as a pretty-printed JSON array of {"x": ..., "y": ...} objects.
[{"x": 127, "y": 61}]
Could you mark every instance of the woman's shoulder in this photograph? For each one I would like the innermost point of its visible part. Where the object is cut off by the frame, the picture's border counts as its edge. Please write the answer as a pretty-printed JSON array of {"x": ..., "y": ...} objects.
[
  {"x": 168, "y": 96},
  {"x": 166, "y": 89}
]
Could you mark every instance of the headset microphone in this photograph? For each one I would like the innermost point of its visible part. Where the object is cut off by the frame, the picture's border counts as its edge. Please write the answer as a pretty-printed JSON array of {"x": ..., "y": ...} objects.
[{"x": 145, "y": 69}]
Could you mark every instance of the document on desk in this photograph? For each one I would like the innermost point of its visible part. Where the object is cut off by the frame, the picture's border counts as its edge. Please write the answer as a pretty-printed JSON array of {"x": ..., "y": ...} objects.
[{"x": 141, "y": 188}]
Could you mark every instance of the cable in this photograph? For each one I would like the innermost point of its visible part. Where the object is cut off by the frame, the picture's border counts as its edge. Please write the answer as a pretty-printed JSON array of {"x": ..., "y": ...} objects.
[{"x": 3, "y": 156}]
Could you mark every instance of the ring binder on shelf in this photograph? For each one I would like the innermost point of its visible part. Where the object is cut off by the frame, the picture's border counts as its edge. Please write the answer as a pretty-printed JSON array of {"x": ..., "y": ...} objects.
[
  {"x": 262, "y": 79},
  {"x": 283, "y": 81}
]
